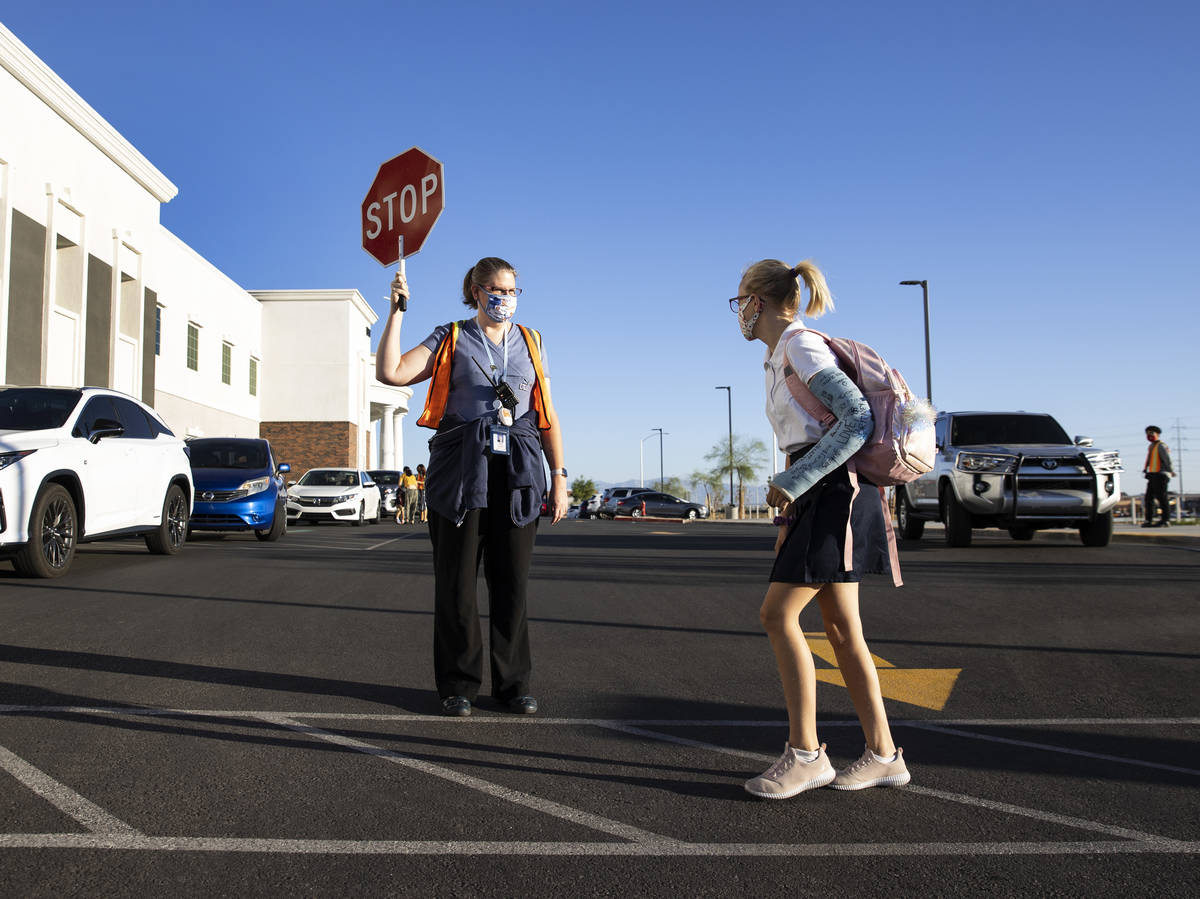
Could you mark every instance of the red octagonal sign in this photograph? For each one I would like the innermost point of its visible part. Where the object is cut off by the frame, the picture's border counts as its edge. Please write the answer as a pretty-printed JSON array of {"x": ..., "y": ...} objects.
[{"x": 405, "y": 200}]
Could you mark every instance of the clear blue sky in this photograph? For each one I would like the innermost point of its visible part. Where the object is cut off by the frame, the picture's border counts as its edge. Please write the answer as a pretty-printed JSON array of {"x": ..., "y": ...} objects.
[{"x": 1036, "y": 162}]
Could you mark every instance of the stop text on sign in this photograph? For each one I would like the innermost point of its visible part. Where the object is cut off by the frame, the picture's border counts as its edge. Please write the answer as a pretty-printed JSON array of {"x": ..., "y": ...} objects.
[{"x": 407, "y": 206}]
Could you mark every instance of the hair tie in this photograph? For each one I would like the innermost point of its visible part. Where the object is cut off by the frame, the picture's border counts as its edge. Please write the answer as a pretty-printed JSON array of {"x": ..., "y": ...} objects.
[{"x": 794, "y": 271}]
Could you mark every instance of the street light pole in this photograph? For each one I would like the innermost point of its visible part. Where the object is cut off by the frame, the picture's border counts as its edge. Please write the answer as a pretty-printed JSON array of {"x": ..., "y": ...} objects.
[
  {"x": 928, "y": 374},
  {"x": 641, "y": 461},
  {"x": 660, "y": 457},
  {"x": 729, "y": 396}
]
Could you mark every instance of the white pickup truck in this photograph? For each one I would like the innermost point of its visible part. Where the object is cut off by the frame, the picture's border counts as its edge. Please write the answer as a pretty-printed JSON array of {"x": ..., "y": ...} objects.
[{"x": 1012, "y": 470}]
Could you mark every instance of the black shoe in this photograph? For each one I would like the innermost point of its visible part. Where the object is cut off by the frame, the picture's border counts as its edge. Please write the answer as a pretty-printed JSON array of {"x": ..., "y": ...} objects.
[
  {"x": 1164, "y": 524},
  {"x": 456, "y": 707},
  {"x": 1147, "y": 524},
  {"x": 522, "y": 705}
]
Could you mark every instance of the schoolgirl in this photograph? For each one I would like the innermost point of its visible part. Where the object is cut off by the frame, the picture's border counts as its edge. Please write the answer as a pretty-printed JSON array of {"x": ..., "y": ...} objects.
[{"x": 823, "y": 516}]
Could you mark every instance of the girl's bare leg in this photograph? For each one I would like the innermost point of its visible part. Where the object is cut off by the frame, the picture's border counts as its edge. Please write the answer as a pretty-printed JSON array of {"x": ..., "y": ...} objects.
[
  {"x": 780, "y": 616},
  {"x": 839, "y": 609}
]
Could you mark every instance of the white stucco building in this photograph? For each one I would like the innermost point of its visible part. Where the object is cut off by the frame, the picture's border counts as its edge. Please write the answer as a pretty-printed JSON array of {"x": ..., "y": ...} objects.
[{"x": 94, "y": 290}]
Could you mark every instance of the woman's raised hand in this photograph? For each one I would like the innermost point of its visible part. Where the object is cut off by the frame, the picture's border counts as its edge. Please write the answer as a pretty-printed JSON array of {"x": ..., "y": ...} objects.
[{"x": 399, "y": 292}]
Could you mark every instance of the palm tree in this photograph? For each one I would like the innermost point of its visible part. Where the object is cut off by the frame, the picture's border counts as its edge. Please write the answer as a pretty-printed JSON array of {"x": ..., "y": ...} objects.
[{"x": 748, "y": 455}]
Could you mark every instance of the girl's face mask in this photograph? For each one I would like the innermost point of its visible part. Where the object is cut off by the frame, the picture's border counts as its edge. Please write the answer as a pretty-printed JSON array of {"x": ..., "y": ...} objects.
[{"x": 748, "y": 326}]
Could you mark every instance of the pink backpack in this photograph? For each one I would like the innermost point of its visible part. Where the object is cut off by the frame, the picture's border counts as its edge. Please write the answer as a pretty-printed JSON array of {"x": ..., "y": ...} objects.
[{"x": 901, "y": 449}]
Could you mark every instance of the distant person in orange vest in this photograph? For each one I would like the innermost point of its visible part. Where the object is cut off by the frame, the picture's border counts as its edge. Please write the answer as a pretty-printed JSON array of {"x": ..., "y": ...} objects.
[
  {"x": 489, "y": 401},
  {"x": 1158, "y": 472}
]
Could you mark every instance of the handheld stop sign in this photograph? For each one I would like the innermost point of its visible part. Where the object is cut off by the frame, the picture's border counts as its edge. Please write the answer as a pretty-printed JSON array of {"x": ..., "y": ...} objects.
[{"x": 402, "y": 206}]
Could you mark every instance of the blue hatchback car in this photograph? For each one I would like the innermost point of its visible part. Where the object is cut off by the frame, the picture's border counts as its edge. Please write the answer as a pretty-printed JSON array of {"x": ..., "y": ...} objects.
[{"x": 239, "y": 487}]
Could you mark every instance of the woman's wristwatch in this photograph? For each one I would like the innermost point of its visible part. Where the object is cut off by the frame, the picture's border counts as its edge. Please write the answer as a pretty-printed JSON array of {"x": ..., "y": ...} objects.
[
  {"x": 558, "y": 471},
  {"x": 780, "y": 520}
]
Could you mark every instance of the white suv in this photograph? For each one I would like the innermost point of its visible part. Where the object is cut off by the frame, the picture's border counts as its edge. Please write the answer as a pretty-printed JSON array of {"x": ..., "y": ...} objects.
[{"x": 86, "y": 463}]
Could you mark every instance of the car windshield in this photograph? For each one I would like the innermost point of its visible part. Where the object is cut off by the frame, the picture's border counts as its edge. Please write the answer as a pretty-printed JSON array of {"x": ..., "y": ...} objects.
[
  {"x": 387, "y": 478},
  {"x": 324, "y": 477},
  {"x": 36, "y": 409},
  {"x": 247, "y": 454},
  {"x": 978, "y": 430}
]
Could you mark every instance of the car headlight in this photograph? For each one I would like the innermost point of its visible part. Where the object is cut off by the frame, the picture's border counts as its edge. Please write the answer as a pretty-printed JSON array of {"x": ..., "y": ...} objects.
[
  {"x": 258, "y": 485},
  {"x": 7, "y": 459},
  {"x": 344, "y": 498},
  {"x": 1105, "y": 462},
  {"x": 985, "y": 463}
]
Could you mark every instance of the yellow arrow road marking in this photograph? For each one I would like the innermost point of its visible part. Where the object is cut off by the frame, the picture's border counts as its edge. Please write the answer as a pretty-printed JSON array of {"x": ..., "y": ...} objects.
[{"x": 928, "y": 688}]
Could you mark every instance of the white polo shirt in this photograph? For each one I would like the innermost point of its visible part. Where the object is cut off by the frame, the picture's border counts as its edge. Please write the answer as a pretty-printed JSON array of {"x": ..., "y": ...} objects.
[{"x": 807, "y": 354}]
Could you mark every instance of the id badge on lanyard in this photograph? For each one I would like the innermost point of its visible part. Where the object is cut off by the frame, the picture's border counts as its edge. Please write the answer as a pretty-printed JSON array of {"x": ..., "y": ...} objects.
[{"x": 498, "y": 440}]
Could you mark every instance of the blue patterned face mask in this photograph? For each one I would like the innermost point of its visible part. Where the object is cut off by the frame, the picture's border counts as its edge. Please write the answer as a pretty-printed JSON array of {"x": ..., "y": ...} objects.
[{"x": 500, "y": 308}]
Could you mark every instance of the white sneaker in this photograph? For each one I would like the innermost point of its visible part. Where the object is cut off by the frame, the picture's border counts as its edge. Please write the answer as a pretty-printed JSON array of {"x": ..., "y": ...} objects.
[
  {"x": 868, "y": 771},
  {"x": 791, "y": 775}
]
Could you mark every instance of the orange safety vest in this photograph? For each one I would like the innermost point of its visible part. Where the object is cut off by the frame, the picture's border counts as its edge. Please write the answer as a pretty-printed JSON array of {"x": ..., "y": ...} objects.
[
  {"x": 439, "y": 382},
  {"x": 1153, "y": 463}
]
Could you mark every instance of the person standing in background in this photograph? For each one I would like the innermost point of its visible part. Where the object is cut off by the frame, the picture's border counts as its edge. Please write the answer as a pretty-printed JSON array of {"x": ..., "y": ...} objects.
[{"x": 1158, "y": 471}]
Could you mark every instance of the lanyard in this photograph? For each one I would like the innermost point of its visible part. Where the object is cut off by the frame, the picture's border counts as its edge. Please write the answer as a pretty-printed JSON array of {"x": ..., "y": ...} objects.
[{"x": 491, "y": 360}]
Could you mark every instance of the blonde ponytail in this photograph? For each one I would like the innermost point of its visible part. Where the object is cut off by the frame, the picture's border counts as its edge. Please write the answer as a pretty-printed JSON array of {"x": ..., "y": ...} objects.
[
  {"x": 820, "y": 300},
  {"x": 782, "y": 285}
]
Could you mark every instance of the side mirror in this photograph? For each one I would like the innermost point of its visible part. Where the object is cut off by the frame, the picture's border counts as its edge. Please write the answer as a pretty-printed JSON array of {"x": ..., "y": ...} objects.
[
  {"x": 105, "y": 427},
  {"x": 283, "y": 468},
  {"x": 368, "y": 483},
  {"x": 291, "y": 483},
  {"x": 1083, "y": 441}
]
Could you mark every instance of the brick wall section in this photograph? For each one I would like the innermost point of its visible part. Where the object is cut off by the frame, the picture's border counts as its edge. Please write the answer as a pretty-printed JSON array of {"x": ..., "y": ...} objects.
[{"x": 311, "y": 444}]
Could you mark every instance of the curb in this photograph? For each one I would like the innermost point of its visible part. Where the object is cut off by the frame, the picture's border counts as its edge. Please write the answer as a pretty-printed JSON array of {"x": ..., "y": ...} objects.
[{"x": 1063, "y": 535}]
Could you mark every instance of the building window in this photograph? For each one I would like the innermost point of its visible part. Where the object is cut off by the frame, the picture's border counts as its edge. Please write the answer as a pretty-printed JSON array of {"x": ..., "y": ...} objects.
[
  {"x": 227, "y": 363},
  {"x": 253, "y": 376},
  {"x": 158, "y": 330},
  {"x": 193, "y": 347}
]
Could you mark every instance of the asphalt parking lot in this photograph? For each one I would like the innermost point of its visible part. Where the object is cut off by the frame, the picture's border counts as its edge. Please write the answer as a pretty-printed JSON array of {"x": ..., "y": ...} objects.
[{"x": 257, "y": 719}]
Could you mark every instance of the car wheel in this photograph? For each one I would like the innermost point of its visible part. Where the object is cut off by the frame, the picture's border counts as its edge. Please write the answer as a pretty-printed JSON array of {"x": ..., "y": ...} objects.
[
  {"x": 53, "y": 531},
  {"x": 956, "y": 519},
  {"x": 635, "y": 512},
  {"x": 1021, "y": 532},
  {"x": 692, "y": 515},
  {"x": 910, "y": 528},
  {"x": 362, "y": 512},
  {"x": 1098, "y": 531},
  {"x": 379, "y": 512},
  {"x": 277, "y": 529},
  {"x": 171, "y": 533}
]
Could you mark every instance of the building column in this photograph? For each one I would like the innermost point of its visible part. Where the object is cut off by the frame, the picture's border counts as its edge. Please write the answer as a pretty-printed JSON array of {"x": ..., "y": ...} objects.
[
  {"x": 398, "y": 438},
  {"x": 387, "y": 452}
]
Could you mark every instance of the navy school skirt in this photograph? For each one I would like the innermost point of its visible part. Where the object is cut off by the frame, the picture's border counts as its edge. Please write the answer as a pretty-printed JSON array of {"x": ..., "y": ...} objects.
[{"x": 814, "y": 551}]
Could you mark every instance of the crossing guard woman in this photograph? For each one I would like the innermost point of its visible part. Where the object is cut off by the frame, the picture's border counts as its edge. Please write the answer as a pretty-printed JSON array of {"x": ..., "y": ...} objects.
[{"x": 489, "y": 403}]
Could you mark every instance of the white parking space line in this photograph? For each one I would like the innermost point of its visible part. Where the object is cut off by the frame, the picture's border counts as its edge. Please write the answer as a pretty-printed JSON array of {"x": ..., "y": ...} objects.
[
  {"x": 1052, "y": 817},
  {"x": 657, "y": 849},
  {"x": 934, "y": 728},
  {"x": 546, "y": 806},
  {"x": 62, "y": 797},
  {"x": 482, "y": 717}
]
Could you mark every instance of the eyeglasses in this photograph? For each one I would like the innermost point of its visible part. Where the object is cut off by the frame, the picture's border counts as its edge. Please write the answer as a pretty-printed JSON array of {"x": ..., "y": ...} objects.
[
  {"x": 735, "y": 303},
  {"x": 503, "y": 291}
]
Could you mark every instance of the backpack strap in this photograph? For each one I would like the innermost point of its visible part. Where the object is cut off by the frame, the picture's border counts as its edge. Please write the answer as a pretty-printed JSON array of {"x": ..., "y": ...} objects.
[{"x": 799, "y": 390}]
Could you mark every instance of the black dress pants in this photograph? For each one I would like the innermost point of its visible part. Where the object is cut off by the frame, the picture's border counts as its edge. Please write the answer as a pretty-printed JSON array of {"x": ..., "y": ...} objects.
[
  {"x": 506, "y": 551},
  {"x": 1156, "y": 491}
]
